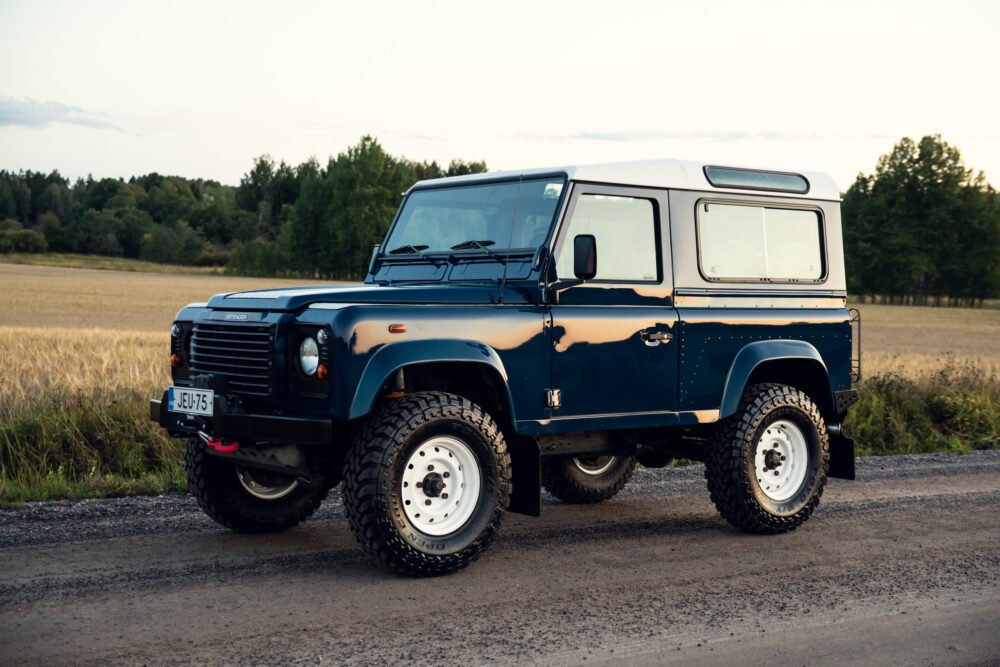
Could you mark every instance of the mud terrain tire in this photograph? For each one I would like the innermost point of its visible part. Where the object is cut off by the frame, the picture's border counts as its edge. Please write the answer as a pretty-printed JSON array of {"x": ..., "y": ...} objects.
[
  {"x": 581, "y": 479},
  {"x": 759, "y": 490},
  {"x": 215, "y": 484},
  {"x": 393, "y": 493}
]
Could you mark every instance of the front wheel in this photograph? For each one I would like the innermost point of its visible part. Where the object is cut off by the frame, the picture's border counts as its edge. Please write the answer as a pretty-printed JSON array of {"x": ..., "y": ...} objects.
[
  {"x": 767, "y": 464},
  {"x": 427, "y": 482},
  {"x": 586, "y": 479},
  {"x": 250, "y": 500}
]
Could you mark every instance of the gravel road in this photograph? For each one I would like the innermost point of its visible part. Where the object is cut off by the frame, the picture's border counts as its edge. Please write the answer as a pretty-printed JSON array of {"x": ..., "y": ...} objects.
[{"x": 899, "y": 567}]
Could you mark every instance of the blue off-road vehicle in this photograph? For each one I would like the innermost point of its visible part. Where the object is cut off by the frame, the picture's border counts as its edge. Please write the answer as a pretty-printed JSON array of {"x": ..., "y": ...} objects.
[{"x": 526, "y": 329}]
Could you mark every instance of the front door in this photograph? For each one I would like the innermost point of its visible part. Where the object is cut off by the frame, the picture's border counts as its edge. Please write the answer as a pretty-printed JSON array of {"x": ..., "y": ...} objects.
[{"x": 614, "y": 347}]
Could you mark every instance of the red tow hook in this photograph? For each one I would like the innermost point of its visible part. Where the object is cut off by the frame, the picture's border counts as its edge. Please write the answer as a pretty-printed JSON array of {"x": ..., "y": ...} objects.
[{"x": 218, "y": 444}]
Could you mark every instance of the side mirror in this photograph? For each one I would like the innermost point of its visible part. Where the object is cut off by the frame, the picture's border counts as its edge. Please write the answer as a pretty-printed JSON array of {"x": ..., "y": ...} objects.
[{"x": 585, "y": 256}]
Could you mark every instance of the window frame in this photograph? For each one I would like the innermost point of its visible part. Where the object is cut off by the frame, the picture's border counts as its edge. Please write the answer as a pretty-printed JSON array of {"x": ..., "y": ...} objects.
[
  {"x": 823, "y": 245},
  {"x": 582, "y": 189}
]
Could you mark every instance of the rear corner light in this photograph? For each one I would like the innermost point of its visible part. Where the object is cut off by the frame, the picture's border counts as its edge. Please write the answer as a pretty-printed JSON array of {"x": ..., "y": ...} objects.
[
  {"x": 176, "y": 360},
  {"x": 322, "y": 372}
]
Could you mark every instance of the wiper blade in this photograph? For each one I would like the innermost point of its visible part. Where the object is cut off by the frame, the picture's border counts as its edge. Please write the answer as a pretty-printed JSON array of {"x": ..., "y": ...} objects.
[
  {"x": 409, "y": 250},
  {"x": 473, "y": 244},
  {"x": 416, "y": 250}
]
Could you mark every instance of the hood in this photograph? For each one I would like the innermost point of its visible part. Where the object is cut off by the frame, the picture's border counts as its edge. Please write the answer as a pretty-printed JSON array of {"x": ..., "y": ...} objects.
[{"x": 293, "y": 298}]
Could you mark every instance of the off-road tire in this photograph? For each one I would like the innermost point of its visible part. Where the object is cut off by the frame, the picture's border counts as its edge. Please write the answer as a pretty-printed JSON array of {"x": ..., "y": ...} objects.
[
  {"x": 730, "y": 467},
  {"x": 373, "y": 471},
  {"x": 214, "y": 484},
  {"x": 566, "y": 481}
]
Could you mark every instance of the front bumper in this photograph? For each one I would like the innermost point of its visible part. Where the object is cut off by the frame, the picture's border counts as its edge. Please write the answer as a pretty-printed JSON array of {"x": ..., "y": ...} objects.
[{"x": 230, "y": 424}]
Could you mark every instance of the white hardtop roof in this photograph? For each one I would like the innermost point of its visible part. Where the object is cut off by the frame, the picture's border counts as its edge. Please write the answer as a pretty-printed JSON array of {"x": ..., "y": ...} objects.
[{"x": 663, "y": 173}]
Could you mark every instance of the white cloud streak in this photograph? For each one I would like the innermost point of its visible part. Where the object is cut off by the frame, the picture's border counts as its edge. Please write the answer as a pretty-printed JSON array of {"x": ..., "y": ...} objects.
[{"x": 27, "y": 112}]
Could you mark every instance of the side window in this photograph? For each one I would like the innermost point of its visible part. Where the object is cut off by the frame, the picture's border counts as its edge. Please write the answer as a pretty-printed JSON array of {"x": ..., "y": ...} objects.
[
  {"x": 741, "y": 242},
  {"x": 625, "y": 229}
]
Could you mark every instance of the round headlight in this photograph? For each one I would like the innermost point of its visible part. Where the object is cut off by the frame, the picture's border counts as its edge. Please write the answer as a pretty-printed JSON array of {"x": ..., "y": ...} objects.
[
  {"x": 175, "y": 330},
  {"x": 309, "y": 356}
]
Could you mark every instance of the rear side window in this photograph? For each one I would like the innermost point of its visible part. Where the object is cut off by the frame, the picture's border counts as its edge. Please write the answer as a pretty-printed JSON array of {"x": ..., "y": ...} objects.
[
  {"x": 759, "y": 243},
  {"x": 625, "y": 229}
]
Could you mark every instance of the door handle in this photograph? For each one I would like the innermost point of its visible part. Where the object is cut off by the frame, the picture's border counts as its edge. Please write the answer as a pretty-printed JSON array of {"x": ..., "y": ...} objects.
[{"x": 652, "y": 338}]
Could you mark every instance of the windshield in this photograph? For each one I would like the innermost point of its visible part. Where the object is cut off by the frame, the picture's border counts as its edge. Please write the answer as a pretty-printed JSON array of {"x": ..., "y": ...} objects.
[{"x": 491, "y": 217}]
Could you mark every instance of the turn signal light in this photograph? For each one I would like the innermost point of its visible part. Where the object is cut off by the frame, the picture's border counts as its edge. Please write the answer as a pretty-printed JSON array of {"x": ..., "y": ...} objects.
[
  {"x": 322, "y": 372},
  {"x": 176, "y": 360},
  {"x": 397, "y": 328}
]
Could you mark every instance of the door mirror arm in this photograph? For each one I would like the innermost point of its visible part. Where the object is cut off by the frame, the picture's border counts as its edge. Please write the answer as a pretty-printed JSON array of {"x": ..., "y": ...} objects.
[{"x": 584, "y": 267}]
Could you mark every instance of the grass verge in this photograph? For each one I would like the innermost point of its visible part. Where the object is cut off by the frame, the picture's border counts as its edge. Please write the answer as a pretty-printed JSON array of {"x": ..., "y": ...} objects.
[
  {"x": 74, "y": 415},
  {"x": 953, "y": 409}
]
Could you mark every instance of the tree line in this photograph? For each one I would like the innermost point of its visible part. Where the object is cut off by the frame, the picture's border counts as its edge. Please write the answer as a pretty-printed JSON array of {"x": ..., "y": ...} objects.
[
  {"x": 309, "y": 220},
  {"x": 921, "y": 229}
]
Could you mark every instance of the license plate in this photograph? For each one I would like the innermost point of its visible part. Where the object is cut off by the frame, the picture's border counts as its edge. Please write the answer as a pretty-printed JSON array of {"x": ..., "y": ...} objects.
[{"x": 191, "y": 401}]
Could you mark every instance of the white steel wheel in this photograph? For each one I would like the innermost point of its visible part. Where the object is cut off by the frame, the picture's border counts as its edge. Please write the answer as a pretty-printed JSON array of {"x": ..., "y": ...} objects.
[
  {"x": 781, "y": 462},
  {"x": 265, "y": 486},
  {"x": 441, "y": 485},
  {"x": 594, "y": 465}
]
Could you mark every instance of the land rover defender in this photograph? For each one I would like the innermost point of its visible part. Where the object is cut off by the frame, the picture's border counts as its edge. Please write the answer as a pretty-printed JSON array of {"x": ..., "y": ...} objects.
[{"x": 543, "y": 328}]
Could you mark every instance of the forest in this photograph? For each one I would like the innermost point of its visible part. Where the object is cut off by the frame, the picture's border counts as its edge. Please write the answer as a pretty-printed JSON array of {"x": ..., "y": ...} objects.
[
  {"x": 308, "y": 220},
  {"x": 922, "y": 229}
]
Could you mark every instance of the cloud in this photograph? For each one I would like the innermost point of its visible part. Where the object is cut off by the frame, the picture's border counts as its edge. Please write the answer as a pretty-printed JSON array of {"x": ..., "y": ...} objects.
[{"x": 32, "y": 113}]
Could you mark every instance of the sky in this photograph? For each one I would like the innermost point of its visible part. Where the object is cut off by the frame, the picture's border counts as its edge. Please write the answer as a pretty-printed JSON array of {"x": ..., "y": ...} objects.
[{"x": 199, "y": 89}]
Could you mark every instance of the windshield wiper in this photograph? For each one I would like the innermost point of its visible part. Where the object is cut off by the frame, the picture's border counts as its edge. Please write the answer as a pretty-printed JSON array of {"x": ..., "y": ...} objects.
[
  {"x": 472, "y": 244},
  {"x": 409, "y": 250},
  {"x": 415, "y": 250}
]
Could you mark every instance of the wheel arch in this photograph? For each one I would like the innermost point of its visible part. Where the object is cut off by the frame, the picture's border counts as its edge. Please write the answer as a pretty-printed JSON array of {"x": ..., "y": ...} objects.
[
  {"x": 792, "y": 362},
  {"x": 424, "y": 355}
]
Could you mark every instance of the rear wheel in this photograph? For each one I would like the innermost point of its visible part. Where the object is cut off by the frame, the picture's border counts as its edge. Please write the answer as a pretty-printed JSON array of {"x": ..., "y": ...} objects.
[
  {"x": 426, "y": 483},
  {"x": 249, "y": 500},
  {"x": 586, "y": 479},
  {"x": 767, "y": 464}
]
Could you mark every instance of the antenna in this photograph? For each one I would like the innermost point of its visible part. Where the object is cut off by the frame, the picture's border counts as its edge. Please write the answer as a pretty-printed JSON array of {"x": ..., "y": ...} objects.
[{"x": 510, "y": 238}]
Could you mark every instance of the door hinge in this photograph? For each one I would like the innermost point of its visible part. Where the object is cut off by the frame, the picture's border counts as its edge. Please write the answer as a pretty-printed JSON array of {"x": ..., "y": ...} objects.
[{"x": 553, "y": 398}]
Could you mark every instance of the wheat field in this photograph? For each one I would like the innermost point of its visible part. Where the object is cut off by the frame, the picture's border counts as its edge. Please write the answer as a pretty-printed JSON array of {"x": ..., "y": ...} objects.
[
  {"x": 70, "y": 298},
  {"x": 82, "y": 351}
]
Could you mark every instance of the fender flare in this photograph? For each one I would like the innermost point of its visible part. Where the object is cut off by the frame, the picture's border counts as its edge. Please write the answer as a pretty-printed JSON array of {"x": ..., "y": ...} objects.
[
  {"x": 753, "y": 355},
  {"x": 390, "y": 358}
]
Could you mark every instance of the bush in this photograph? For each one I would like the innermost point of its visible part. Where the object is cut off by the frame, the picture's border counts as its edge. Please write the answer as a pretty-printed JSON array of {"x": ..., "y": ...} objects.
[
  {"x": 956, "y": 409},
  {"x": 22, "y": 240}
]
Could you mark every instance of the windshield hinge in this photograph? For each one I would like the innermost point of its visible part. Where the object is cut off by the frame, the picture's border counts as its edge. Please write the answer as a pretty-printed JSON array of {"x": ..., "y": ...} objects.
[{"x": 553, "y": 398}]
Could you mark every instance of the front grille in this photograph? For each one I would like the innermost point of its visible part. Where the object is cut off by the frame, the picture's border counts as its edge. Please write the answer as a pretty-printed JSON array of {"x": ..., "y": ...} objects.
[{"x": 241, "y": 354}]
